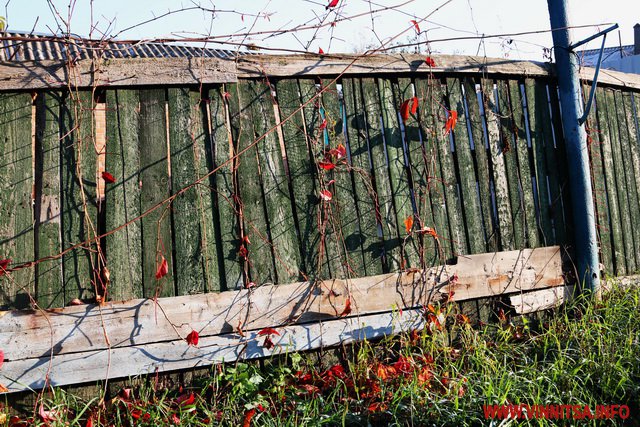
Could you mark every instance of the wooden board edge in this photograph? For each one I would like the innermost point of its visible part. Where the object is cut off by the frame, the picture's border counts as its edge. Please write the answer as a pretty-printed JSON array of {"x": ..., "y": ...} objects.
[{"x": 543, "y": 299}]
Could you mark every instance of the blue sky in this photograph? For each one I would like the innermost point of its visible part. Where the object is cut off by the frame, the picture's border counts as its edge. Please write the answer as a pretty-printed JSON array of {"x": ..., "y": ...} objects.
[{"x": 457, "y": 18}]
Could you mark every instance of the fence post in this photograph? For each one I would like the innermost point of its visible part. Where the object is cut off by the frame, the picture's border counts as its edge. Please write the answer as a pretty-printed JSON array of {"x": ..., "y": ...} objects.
[{"x": 586, "y": 245}]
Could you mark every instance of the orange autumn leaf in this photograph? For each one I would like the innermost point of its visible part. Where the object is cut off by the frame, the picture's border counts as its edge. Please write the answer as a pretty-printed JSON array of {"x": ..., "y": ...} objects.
[
  {"x": 451, "y": 121},
  {"x": 326, "y": 165},
  {"x": 320, "y": 51},
  {"x": 193, "y": 338},
  {"x": 408, "y": 106},
  {"x": 247, "y": 417},
  {"x": 268, "y": 331},
  {"x": 430, "y": 62},
  {"x": 408, "y": 223},
  {"x": 415, "y": 25},
  {"x": 332, "y": 3}
]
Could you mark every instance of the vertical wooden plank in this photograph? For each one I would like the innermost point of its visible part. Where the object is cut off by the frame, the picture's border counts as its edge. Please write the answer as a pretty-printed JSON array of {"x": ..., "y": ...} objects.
[
  {"x": 491, "y": 113},
  {"x": 468, "y": 182},
  {"x": 49, "y": 281},
  {"x": 155, "y": 188},
  {"x": 392, "y": 242},
  {"x": 275, "y": 184},
  {"x": 122, "y": 198},
  {"x": 510, "y": 155},
  {"x": 629, "y": 170},
  {"x": 399, "y": 177},
  {"x": 419, "y": 168},
  {"x": 475, "y": 126},
  {"x": 561, "y": 205},
  {"x": 16, "y": 211},
  {"x": 594, "y": 143},
  {"x": 524, "y": 167},
  {"x": 301, "y": 170},
  {"x": 618, "y": 246},
  {"x": 227, "y": 222},
  {"x": 535, "y": 115},
  {"x": 260, "y": 256},
  {"x": 620, "y": 181},
  {"x": 445, "y": 198},
  {"x": 79, "y": 196},
  {"x": 196, "y": 263},
  {"x": 554, "y": 158},
  {"x": 370, "y": 241},
  {"x": 346, "y": 220}
]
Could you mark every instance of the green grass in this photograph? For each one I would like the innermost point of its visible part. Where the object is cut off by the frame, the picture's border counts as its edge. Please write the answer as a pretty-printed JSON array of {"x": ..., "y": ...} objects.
[{"x": 587, "y": 353}]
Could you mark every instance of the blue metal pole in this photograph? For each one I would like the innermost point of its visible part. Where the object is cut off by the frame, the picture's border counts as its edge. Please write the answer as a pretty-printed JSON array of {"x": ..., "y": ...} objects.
[{"x": 586, "y": 245}]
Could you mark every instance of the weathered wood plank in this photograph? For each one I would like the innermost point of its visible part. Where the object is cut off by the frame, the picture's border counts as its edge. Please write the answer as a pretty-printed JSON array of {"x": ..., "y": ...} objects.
[
  {"x": 275, "y": 183},
  {"x": 544, "y": 299},
  {"x": 196, "y": 263},
  {"x": 524, "y": 166},
  {"x": 302, "y": 170},
  {"x": 620, "y": 182},
  {"x": 344, "y": 224},
  {"x": 466, "y": 171},
  {"x": 491, "y": 115},
  {"x": 445, "y": 195},
  {"x": 507, "y": 146},
  {"x": 553, "y": 159},
  {"x": 226, "y": 218},
  {"x": 399, "y": 177},
  {"x": 49, "y": 283},
  {"x": 369, "y": 240},
  {"x": 122, "y": 198},
  {"x": 618, "y": 247},
  {"x": 594, "y": 143},
  {"x": 535, "y": 98},
  {"x": 176, "y": 354},
  {"x": 477, "y": 135},
  {"x": 119, "y": 72},
  {"x": 79, "y": 329},
  {"x": 78, "y": 184},
  {"x": 253, "y": 208},
  {"x": 16, "y": 209},
  {"x": 155, "y": 188},
  {"x": 420, "y": 168},
  {"x": 392, "y": 241},
  {"x": 561, "y": 205},
  {"x": 631, "y": 166}
]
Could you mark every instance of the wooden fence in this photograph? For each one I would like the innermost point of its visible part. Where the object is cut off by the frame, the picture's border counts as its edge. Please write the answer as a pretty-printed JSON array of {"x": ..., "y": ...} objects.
[{"x": 301, "y": 172}]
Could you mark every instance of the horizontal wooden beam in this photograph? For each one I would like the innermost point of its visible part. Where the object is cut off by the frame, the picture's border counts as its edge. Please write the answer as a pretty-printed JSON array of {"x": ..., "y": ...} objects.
[
  {"x": 154, "y": 331},
  {"x": 544, "y": 299},
  {"x": 184, "y": 71},
  {"x": 116, "y": 72}
]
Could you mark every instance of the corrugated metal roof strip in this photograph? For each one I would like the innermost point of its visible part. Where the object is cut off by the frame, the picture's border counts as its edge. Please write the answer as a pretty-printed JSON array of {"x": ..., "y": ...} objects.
[{"x": 42, "y": 48}]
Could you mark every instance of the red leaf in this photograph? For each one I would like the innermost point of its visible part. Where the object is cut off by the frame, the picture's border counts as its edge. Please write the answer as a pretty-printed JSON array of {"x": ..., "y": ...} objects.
[
  {"x": 404, "y": 110},
  {"x": 408, "y": 223},
  {"x": 415, "y": 24},
  {"x": 193, "y": 338},
  {"x": 430, "y": 62},
  {"x": 323, "y": 125},
  {"x": 89, "y": 421},
  {"x": 1, "y": 358},
  {"x": 247, "y": 417},
  {"x": 268, "y": 331},
  {"x": 246, "y": 240},
  {"x": 163, "y": 268},
  {"x": 186, "y": 400},
  {"x": 108, "y": 178},
  {"x": 341, "y": 151},
  {"x": 326, "y": 165},
  {"x": 326, "y": 195},
  {"x": 451, "y": 121},
  {"x": 414, "y": 104},
  {"x": 332, "y": 3},
  {"x": 4, "y": 263},
  {"x": 243, "y": 252},
  {"x": 320, "y": 51},
  {"x": 226, "y": 95},
  {"x": 347, "y": 308},
  {"x": 268, "y": 344}
]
